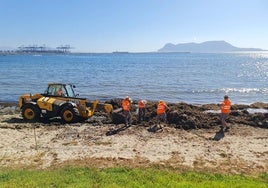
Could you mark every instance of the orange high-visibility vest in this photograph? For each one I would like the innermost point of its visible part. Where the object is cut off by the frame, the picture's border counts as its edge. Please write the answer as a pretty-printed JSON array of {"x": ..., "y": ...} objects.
[
  {"x": 161, "y": 108},
  {"x": 226, "y": 107},
  {"x": 141, "y": 104},
  {"x": 126, "y": 105}
]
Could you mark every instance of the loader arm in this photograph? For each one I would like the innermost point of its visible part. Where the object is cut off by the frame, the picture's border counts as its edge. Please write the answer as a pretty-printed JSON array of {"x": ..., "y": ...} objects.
[{"x": 95, "y": 105}]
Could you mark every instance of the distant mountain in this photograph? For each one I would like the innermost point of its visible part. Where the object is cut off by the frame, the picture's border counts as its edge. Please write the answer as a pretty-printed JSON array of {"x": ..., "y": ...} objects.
[{"x": 209, "y": 46}]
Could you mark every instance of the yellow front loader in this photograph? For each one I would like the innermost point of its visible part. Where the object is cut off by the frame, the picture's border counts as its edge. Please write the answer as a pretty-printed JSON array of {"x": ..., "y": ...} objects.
[{"x": 59, "y": 100}]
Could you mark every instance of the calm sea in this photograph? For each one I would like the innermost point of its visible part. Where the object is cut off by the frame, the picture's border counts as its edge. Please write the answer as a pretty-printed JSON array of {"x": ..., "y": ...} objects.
[{"x": 175, "y": 77}]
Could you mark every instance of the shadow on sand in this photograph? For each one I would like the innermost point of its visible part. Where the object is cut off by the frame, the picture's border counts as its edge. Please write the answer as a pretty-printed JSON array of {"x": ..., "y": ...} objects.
[
  {"x": 115, "y": 131},
  {"x": 219, "y": 135}
]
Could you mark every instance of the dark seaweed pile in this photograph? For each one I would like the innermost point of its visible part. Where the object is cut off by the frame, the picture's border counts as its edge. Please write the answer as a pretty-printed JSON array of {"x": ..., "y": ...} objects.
[
  {"x": 187, "y": 116},
  {"x": 180, "y": 115}
]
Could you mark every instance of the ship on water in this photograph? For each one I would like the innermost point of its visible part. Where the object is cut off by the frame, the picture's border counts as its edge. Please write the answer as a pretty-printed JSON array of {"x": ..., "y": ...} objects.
[{"x": 119, "y": 52}]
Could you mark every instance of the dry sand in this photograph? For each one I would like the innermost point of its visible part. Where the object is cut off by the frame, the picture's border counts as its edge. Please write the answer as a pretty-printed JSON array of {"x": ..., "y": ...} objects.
[{"x": 244, "y": 149}]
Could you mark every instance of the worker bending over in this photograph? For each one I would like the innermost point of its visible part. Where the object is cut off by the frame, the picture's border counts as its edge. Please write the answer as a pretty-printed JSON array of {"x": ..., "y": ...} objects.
[{"x": 161, "y": 111}]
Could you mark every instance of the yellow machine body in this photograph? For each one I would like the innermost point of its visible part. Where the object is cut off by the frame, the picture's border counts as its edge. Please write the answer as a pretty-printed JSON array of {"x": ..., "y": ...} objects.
[{"x": 67, "y": 105}]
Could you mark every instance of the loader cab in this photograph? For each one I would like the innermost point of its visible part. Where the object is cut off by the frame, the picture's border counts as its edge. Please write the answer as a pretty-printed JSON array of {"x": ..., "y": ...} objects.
[{"x": 63, "y": 90}]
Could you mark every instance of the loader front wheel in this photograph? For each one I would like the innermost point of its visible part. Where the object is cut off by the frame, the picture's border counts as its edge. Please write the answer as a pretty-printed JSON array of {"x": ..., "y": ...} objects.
[
  {"x": 68, "y": 115},
  {"x": 30, "y": 112}
]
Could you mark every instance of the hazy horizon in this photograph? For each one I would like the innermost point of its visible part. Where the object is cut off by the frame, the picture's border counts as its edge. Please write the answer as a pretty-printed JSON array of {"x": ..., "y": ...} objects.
[{"x": 157, "y": 51}]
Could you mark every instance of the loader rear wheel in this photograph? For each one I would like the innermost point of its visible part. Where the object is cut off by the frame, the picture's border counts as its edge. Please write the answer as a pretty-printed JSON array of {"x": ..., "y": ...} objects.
[
  {"x": 69, "y": 115},
  {"x": 30, "y": 112}
]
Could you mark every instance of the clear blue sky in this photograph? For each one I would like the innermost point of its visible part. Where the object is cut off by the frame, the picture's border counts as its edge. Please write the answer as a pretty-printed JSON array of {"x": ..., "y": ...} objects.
[{"x": 132, "y": 25}]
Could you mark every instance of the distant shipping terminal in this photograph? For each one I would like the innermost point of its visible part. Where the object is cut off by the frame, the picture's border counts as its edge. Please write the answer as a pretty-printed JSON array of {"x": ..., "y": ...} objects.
[{"x": 35, "y": 49}]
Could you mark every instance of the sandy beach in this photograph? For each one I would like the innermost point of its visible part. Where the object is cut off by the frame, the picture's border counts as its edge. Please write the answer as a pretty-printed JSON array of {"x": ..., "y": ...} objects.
[{"x": 39, "y": 145}]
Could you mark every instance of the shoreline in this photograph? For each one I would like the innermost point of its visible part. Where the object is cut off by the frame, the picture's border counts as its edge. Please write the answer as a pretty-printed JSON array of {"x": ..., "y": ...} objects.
[
  {"x": 257, "y": 104},
  {"x": 9, "y": 103},
  {"x": 180, "y": 115}
]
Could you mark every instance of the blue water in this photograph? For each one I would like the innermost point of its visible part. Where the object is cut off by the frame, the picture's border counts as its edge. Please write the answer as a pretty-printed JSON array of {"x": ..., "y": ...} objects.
[{"x": 175, "y": 77}]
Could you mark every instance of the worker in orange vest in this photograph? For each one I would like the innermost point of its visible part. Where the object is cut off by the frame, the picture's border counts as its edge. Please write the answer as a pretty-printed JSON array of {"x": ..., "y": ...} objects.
[
  {"x": 225, "y": 111},
  {"x": 161, "y": 111},
  {"x": 126, "y": 104},
  {"x": 141, "y": 105}
]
